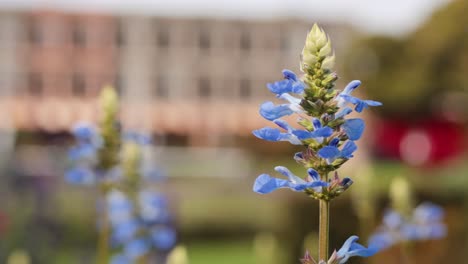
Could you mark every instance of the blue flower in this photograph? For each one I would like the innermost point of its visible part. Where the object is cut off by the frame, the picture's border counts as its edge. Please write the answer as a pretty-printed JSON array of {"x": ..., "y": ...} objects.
[
  {"x": 319, "y": 132},
  {"x": 136, "y": 248},
  {"x": 351, "y": 249},
  {"x": 271, "y": 111},
  {"x": 274, "y": 134},
  {"x": 138, "y": 138},
  {"x": 82, "y": 151},
  {"x": 153, "y": 207},
  {"x": 331, "y": 152},
  {"x": 291, "y": 84},
  {"x": 265, "y": 183},
  {"x": 120, "y": 259},
  {"x": 164, "y": 238},
  {"x": 125, "y": 231},
  {"x": 80, "y": 175},
  {"x": 345, "y": 97},
  {"x": 86, "y": 133},
  {"x": 354, "y": 128}
]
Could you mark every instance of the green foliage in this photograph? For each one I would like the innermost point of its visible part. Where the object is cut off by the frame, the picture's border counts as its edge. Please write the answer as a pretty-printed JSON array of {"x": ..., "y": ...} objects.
[{"x": 413, "y": 74}]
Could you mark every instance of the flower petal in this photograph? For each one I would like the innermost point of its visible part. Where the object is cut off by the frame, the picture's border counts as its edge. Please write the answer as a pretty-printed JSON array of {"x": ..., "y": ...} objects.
[
  {"x": 266, "y": 184},
  {"x": 328, "y": 152},
  {"x": 354, "y": 128},
  {"x": 271, "y": 112}
]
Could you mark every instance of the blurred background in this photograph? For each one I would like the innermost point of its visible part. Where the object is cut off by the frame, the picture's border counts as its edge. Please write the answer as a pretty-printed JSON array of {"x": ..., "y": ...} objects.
[{"x": 192, "y": 74}]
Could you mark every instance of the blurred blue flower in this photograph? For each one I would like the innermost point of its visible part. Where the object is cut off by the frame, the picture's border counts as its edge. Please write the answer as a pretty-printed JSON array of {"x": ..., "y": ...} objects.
[
  {"x": 164, "y": 238},
  {"x": 265, "y": 183},
  {"x": 425, "y": 223},
  {"x": 80, "y": 175},
  {"x": 136, "y": 248},
  {"x": 291, "y": 84}
]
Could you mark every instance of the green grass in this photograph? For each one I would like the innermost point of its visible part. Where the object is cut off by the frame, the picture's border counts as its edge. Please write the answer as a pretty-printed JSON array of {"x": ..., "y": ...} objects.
[{"x": 225, "y": 252}]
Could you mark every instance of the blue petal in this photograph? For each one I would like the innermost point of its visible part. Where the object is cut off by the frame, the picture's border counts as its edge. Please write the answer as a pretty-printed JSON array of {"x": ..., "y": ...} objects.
[
  {"x": 283, "y": 124},
  {"x": 271, "y": 112},
  {"x": 323, "y": 132},
  {"x": 351, "y": 248},
  {"x": 351, "y": 87},
  {"x": 266, "y": 184},
  {"x": 120, "y": 259},
  {"x": 280, "y": 87},
  {"x": 348, "y": 149},
  {"x": 316, "y": 122},
  {"x": 329, "y": 152},
  {"x": 372, "y": 103},
  {"x": 334, "y": 142},
  {"x": 345, "y": 111},
  {"x": 354, "y": 128},
  {"x": 268, "y": 133},
  {"x": 292, "y": 178},
  {"x": 313, "y": 174},
  {"x": 290, "y": 75}
]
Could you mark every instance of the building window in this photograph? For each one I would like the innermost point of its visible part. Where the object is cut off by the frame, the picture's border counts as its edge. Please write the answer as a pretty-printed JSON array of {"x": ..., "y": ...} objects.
[
  {"x": 204, "y": 41},
  {"x": 79, "y": 36},
  {"x": 119, "y": 35},
  {"x": 245, "y": 41},
  {"x": 162, "y": 87},
  {"x": 35, "y": 33},
  {"x": 78, "y": 85},
  {"x": 35, "y": 84},
  {"x": 245, "y": 90},
  {"x": 204, "y": 87},
  {"x": 163, "y": 36}
]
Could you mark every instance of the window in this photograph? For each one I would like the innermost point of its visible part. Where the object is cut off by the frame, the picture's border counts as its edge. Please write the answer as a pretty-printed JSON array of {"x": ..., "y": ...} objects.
[
  {"x": 79, "y": 36},
  {"x": 119, "y": 35},
  {"x": 162, "y": 88},
  {"x": 204, "y": 41},
  {"x": 245, "y": 41},
  {"x": 162, "y": 36},
  {"x": 35, "y": 33},
  {"x": 245, "y": 88},
  {"x": 78, "y": 85},
  {"x": 35, "y": 84},
  {"x": 204, "y": 87}
]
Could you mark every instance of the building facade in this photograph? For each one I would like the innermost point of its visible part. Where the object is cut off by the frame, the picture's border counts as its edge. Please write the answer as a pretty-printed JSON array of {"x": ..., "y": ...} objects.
[{"x": 180, "y": 76}]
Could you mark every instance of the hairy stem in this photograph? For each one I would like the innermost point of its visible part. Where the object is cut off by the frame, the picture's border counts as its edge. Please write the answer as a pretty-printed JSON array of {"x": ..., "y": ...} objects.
[{"x": 324, "y": 223}]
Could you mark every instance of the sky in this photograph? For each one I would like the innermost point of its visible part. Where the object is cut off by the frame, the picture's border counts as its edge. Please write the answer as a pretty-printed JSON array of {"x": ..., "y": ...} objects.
[{"x": 387, "y": 17}]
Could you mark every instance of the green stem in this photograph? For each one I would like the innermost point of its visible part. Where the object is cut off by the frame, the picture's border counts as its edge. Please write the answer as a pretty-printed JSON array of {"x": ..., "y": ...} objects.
[
  {"x": 324, "y": 224},
  {"x": 103, "y": 240}
]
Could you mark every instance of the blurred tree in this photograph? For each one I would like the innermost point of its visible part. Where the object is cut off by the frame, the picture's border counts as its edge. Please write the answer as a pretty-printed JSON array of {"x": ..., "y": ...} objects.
[{"x": 422, "y": 73}]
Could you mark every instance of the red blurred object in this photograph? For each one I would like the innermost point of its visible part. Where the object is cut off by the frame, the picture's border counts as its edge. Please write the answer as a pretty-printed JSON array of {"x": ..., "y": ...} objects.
[{"x": 431, "y": 141}]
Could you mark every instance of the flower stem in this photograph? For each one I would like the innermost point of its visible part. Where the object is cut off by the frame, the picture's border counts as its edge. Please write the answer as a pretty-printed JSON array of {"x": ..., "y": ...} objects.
[
  {"x": 324, "y": 223},
  {"x": 103, "y": 240}
]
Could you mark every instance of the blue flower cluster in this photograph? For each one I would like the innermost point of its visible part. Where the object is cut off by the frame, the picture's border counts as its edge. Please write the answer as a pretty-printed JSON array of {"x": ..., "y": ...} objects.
[
  {"x": 425, "y": 223},
  {"x": 329, "y": 137},
  {"x": 140, "y": 227},
  {"x": 139, "y": 217}
]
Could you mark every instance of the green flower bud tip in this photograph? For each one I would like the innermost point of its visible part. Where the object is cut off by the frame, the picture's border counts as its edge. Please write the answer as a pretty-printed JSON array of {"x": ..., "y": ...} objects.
[
  {"x": 316, "y": 48},
  {"x": 108, "y": 100}
]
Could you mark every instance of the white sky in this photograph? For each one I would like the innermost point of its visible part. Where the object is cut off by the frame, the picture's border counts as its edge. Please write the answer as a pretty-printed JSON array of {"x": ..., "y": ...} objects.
[{"x": 393, "y": 17}]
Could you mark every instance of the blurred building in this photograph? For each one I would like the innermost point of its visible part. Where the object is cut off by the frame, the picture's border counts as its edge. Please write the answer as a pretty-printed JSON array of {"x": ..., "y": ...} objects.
[{"x": 197, "y": 78}]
